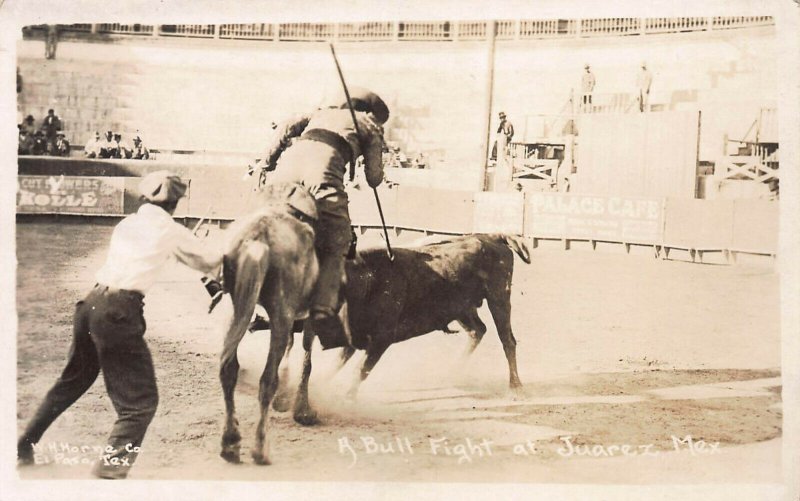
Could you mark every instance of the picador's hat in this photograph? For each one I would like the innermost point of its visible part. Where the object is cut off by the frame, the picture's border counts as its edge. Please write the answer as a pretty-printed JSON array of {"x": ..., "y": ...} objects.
[
  {"x": 162, "y": 186},
  {"x": 367, "y": 101}
]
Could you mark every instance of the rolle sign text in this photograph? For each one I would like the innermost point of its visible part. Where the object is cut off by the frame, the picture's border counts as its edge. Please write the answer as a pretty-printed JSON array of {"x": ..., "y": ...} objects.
[{"x": 70, "y": 195}]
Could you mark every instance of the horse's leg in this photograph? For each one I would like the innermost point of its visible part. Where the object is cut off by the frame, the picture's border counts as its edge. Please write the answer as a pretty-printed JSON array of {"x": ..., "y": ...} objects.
[
  {"x": 303, "y": 413},
  {"x": 500, "y": 306},
  {"x": 279, "y": 338},
  {"x": 283, "y": 397},
  {"x": 252, "y": 264},
  {"x": 228, "y": 375},
  {"x": 374, "y": 353}
]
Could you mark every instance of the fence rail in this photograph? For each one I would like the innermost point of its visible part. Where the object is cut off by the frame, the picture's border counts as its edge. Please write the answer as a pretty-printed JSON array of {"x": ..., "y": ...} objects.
[
  {"x": 519, "y": 29},
  {"x": 126, "y": 29},
  {"x": 247, "y": 31}
]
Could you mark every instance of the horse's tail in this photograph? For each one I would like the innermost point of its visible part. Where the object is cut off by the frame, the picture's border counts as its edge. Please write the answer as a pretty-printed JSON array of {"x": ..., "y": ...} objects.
[
  {"x": 244, "y": 274},
  {"x": 518, "y": 245}
]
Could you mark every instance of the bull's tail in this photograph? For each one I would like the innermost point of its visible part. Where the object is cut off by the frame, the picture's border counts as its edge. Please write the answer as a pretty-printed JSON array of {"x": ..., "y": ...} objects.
[
  {"x": 244, "y": 275},
  {"x": 518, "y": 245}
]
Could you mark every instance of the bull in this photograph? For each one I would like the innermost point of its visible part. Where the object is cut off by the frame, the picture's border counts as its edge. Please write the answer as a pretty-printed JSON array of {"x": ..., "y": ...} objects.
[{"x": 422, "y": 290}]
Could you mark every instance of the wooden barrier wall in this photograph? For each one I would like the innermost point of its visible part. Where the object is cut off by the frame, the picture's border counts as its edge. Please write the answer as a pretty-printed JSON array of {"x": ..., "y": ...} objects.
[{"x": 221, "y": 193}]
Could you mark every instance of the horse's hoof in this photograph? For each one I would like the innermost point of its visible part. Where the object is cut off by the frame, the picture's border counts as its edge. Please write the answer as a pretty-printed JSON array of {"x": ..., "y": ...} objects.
[
  {"x": 517, "y": 392},
  {"x": 281, "y": 403},
  {"x": 306, "y": 418},
  {"x": 231, "y": 456},
  {"x": 261, "y": 459}
]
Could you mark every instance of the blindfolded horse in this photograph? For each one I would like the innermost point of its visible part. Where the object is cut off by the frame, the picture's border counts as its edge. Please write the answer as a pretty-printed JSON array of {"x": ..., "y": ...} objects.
[{"x": 269, "y": 260}]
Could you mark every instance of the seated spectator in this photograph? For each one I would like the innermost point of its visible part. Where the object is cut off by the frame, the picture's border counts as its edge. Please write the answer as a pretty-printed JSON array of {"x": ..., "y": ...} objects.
[
  {"x": 92, "y": 148},
  {"x": 61, "y": 146},
  {"x": 28, "y": 125},
  {"x": 140, "y": 152},
  {"x": 39, "y": 146},
  {"x": 107, "y": 146},
  {"x": 121, "y": 148},
  {"x": 25, "y": 141}
]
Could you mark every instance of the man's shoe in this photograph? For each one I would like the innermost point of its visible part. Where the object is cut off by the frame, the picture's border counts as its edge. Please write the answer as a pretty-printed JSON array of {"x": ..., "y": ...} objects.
[
  {"x": 329, "y": 330},
  {"x": 110, "y": 472},
  {"x": 259, "y": 323},
  {"x": 24, "y": 453}
]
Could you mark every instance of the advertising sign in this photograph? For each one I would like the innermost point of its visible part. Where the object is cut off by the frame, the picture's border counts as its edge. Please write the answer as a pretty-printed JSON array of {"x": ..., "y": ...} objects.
[
  {"x": 586, "y": 217},
  {"x": 70, "y": 195}
]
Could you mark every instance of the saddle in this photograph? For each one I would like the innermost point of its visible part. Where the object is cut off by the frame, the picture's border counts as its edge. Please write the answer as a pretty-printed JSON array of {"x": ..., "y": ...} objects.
[{"x": 298, "y": 200}]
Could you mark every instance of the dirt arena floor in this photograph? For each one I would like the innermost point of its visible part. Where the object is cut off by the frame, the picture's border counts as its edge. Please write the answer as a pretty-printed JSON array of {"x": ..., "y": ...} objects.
[{"x": 679, "y": 362}]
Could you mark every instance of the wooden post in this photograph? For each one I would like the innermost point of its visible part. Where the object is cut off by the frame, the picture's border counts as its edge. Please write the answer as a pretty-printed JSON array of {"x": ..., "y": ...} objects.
[
  {"x": 503, "y": 170},
  {"x": 487, "y": 125}
]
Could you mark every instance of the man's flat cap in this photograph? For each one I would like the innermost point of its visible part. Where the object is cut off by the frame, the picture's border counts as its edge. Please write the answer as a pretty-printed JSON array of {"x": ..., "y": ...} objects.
[{"x": 162, "y": 186}]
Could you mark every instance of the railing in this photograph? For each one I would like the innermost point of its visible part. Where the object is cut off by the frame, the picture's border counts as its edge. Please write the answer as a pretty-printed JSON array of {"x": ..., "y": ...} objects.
[
  {"x": 247, "y": 31},
  {"x": 424, "y": 31},
  {"x": 522, "y": 29},
  {"x": 187, "y": 30},
  {"x": 540, "y": 29},
  {"x": 126, "y": 29},
  {"x": 362, "y": 32},
  {"x": 507, "y": 30},
  {"x": 723, "y": 23},
  {"x": 308, "y": 32},
  {"x": 614, "y": 26},
  {"x": 471, "y": 30},
  {"x": 675, "y": 24}
]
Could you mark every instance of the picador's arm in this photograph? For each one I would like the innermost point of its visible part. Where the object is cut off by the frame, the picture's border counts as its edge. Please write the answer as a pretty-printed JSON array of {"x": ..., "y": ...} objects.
[
  {"x": 371, "y": 140},
  {"x": 281, "y": 139}
]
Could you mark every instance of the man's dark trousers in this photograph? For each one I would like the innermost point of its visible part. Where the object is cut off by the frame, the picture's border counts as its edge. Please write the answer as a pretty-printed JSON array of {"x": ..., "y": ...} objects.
[{"x": 108, "y": 334}]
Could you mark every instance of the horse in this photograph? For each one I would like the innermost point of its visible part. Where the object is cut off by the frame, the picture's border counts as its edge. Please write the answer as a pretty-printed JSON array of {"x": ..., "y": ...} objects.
[{"x": 269, "y": 260}]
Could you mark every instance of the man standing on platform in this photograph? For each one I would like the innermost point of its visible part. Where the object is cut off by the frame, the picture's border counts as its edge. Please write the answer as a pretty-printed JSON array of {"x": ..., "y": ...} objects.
[
  {"x": 643, "y": 83},
  {"x": 506, "y": 128},
  {"x": 587, "y": 87}
]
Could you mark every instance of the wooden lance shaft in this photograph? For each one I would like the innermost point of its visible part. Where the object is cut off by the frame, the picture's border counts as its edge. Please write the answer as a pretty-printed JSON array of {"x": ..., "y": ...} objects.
[{"x": 352, "y": 167}]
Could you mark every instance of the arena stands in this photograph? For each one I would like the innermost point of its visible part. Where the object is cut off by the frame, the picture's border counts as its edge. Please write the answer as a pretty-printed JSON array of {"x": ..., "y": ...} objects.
[{"x": 209, "y": 94}]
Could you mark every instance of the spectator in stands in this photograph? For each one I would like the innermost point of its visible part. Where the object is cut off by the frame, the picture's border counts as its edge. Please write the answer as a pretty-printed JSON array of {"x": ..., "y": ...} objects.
[
  {"x": 107, "y": 146},
  {"x": 507, "y": 129},
  {"x": 51, "y": 125},
  {"x": 92, "y": 148},
  {"x": 587, "y": 87},
  {"x": 39, "y": 146},
  {"x": 51, "y": 41},
  {"x": 121, "y": 148},
  {"x": 140, "y": 152},
  {"x": 61, "y": 146},
  {"x": 25, "y": 141},
  {"x": 19, "y": 81},
  {"x": 28, "y": 125},
  {"x": 643, "y": 83}
]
